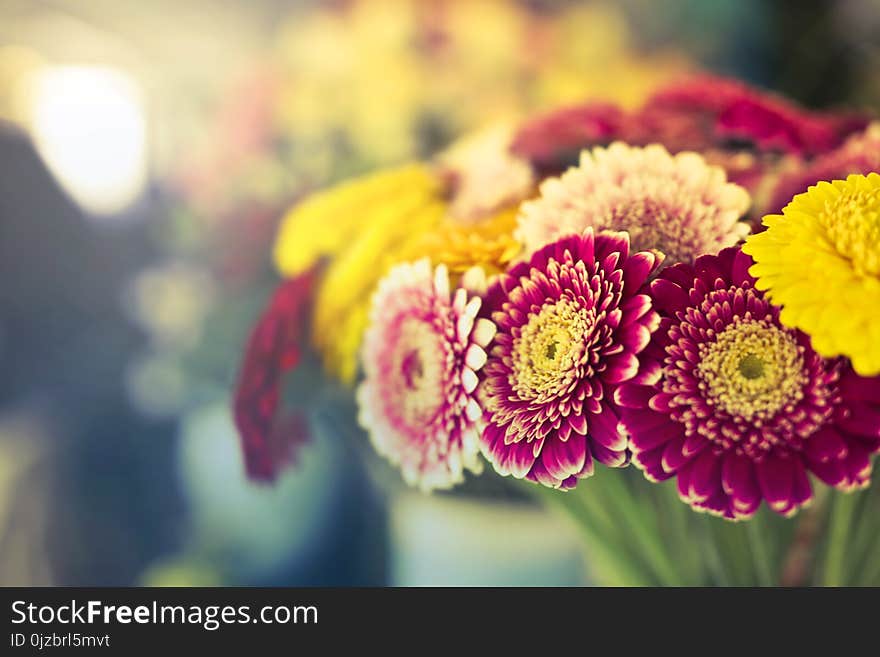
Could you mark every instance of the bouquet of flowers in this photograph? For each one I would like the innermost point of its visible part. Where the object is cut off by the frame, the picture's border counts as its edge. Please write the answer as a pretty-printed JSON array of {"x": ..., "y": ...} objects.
[{"x": 598, "y": 301}]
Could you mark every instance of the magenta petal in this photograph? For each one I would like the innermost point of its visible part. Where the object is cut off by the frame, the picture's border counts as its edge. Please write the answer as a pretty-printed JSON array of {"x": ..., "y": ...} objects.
[
  {"x": 739, "y": 271},
  {"x": 492, "y": 442},
  {"x": 518, "y": 459},
  {"x": 673, "y": 458},
  {"x": 578, "y": 423},
  {"x": 638, "y": 421},
  {"x": 802, "y": 491},
  {"x": 708, "y": 268},
  {"x": 863, "y": 420},
  {"x": 776, "y": 479},
  {"x": 633, "y": 395},
  {"x": 662, "y": 402},
  {"x": 539, "y": 475},
  {"x": 705, "y": 476},
  {"x": 832, "y": 473},
  {"x": 668, "y": 297},
  {"x": 635, "y": 308},
  {"x": 650, "y": 462},
  {"x": 562, "y": 459},
  {"x": 608, "y": 457},
  {"x": 650, "y": 371},
  {"x": 693, "y": 445},
  {"x": 825, "y": 445},
  {"x": 638, "y": 268},
  {"x": 587, "y": 468},
  {"x": 744, "y": 510},
  {"x": 856, "y": 387},
  {"x": 683, "y": 482},
  {"x": 644, "y": 440},
  {"x": 739, "y": 481},
  {"x": 609, "y": 243},
  {"x": 569, "y": 483},
  {"x": 858, "y": 464},
  {"x": 606, "y": 430},
  {"x": 635, "y": 337},
  {"x": 621, "y": 367},
  {"x": 718, "y": 503}
]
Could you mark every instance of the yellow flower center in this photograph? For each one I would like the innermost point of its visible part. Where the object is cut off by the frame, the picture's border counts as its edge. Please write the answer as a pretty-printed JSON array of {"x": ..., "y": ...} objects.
[
  {"x": 418, "y": 367},
  {"x": 752, "y": 370},
  {"x": 852, "y": 224},
  {"x": 549, "y": 349}
]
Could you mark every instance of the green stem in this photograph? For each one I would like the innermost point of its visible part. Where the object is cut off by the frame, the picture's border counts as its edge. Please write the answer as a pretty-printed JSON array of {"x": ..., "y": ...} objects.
[
  {"x": 675, "y": 524},
  {"x": 841, "y": 518},
  {"x": 760, "y": 555},
  {"x": 606, "y": 560},
  {"x": 641, "y": 526},
  {"x": 733, "y": 547},
  {"x": 870, "y": 575},
  {"x": 865, "y": 539},
  {"x": 713, "y": 559}
]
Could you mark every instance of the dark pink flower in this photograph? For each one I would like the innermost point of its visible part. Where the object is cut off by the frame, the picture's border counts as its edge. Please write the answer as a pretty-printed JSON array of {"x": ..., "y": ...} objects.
[
  {"x": 571, "y": 326},
  {"x": 859, "y": 154},
  {"x": 743, "y": 408},
  {"x": 553, "y": 141},
  {"x": 268, "y": 437},
  {"x": 712, "y": 110}
]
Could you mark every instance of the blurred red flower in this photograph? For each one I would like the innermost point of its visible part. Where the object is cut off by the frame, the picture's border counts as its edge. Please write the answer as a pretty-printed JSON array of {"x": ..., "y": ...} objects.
[{"x": 269, "y": 437}]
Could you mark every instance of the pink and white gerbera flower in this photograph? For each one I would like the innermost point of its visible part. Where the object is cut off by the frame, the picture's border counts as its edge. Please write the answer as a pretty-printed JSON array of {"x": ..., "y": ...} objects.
[{"x": 421, "y": 353}]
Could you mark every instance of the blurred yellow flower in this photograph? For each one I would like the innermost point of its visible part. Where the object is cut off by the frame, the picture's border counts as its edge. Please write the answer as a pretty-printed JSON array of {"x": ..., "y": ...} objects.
[
  {"x": 367, "y": 226},
  {"x": 368, "y": 83},
  {"x": 328, "y": 222},
  {"x": 488, "y": 243}
]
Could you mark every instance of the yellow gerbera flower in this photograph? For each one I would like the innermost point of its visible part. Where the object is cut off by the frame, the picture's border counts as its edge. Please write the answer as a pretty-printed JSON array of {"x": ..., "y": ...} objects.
[
  {"x": 488, "y": 243},
  {"x": 820, "y": 260},
  {"x": 327, "y": 222}
]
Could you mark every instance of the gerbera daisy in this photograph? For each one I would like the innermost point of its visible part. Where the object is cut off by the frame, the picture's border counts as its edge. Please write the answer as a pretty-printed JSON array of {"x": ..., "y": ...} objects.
[
  {"x": 820, "y": 260},
  {"x": 571, "y": 325},
  {"x": 421, "y": 353},
  {"x": 677, "y": 204},
  {"x": 484, "y": 175},
  {"x": 744, "y": 407},
  {"x": 488, "y": 244},
  {"x": 327, "y": 222}
]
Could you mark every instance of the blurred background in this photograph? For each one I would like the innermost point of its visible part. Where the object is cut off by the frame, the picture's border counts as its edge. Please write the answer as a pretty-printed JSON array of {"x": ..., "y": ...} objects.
[{"x": 147, "y": 152}]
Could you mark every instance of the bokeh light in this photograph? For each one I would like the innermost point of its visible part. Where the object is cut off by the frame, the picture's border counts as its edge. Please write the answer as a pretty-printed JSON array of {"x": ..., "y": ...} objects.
[{"x": 89, "y": 125}]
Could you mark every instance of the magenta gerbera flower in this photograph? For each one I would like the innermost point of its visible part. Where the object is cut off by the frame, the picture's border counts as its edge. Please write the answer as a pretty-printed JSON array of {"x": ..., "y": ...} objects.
[
  {"x": 571, "y": 325},
  {"x": 859, "y": 154},
  {"x": 744, "y": 408},
  {"x": 420, "y": 357}
]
